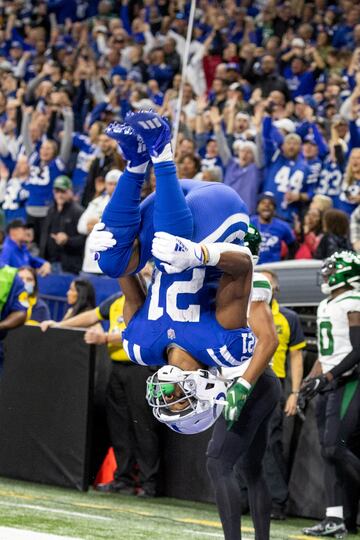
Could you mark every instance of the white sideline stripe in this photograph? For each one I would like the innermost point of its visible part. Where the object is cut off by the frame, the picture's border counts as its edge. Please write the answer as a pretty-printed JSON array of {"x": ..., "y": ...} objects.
[
  {"x": 215, "y": 235},
  {"x": 54, "y": 510},
  {"x": 203, "y": 533},
  {"x": 23, "y": 534},
  {"x": 213, "y": 534}
]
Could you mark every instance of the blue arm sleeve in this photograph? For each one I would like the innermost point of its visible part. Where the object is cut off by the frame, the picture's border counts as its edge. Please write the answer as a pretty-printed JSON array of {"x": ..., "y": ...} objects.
[
  {"x": 354, "y": 135},
  {"x": 270, "y": 143},
  {"x": 36, "y": 262},
  {"x": 124, "y": 16},
  {"x": 125, "y": 107},
  {"x": 200, "y": 139},
  {"x": 289, "y": 236},
  {"x": 5, "y": 255},
  {"x": 303, "y": 129},
  {"x": 80, "y": 141},
  {"x": 320, "y": 141},
  {"x": 13, "y": 302}
]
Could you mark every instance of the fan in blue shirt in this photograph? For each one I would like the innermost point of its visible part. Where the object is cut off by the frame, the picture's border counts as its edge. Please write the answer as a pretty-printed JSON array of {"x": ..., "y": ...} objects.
[
  {"x": 273, "y": 231},
  {"x": 300, "y": 80},
  {"x": 286, "y": 171},
  {"x": 15, "y": 253}
]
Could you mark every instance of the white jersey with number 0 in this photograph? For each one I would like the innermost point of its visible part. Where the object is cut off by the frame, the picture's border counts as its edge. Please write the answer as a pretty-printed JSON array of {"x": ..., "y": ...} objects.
[{"x": 333, "y": 333}]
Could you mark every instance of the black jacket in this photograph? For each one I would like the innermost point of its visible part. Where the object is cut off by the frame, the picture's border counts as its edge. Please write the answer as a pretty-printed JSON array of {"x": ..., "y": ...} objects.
[
  {"x": 100, "y": 166},
  {"x": 71, "y": 254},
  {"x": 329, "y": 244}
]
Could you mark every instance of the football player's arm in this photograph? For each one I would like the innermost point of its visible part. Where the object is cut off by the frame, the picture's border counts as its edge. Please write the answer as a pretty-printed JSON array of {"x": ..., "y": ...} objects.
[
  {"x": 315, "y": 371},
  {"x": 353, "y": 357},
  {"x": 262, "y": 324},
  {"x": 13, "y": 320},
  {"x": 134, "y": 289},
  {"x": 179, "y": 254},
  {"x": 296, "y": 369}
]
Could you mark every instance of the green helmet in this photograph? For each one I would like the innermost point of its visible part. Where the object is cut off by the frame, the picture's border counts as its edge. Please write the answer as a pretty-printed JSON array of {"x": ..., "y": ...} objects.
[
  {"x": 339, "y": 270},
  {"x": 252, "y": 240}
]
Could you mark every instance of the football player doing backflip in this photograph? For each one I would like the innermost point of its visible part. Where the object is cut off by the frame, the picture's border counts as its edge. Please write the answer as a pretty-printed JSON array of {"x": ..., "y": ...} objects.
[{"x": 193, "y": 319}]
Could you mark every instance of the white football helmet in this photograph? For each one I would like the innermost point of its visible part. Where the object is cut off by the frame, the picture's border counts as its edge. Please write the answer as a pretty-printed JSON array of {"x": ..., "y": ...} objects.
[{"x": 187, "y": 402}]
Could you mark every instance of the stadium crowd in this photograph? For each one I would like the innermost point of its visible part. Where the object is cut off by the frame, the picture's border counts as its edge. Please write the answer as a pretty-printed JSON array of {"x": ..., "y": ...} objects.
[{"x": 271, "y": 107}]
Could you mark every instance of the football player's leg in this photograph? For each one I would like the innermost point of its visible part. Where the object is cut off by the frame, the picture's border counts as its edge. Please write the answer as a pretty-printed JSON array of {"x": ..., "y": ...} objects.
[
  {"x": 224, "y": 450},
  {"x": 171, "y": 211},
  {"x": 342, "y": 419},
  {"x": 253, "y": 473},
  {"x": 122, "y": 215}
]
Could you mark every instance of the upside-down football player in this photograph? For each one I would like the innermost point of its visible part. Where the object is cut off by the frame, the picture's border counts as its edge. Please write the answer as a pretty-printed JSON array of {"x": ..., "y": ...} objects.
[{"x": 194, "y": 317}]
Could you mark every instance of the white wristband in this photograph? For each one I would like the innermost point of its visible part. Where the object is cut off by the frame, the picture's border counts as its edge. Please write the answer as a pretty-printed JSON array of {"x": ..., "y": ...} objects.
[
  {"x": 244, "y": 382},
  {"x": 215, "y": 250}
]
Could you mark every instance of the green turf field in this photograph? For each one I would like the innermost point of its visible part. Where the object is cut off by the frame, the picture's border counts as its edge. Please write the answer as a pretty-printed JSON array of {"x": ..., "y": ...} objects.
[{"x": 93, "y": 516}]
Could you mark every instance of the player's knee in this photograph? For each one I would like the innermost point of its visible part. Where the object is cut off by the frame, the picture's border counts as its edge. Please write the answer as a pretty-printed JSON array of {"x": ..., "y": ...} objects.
[
  {"x": 251, "y": 470},
  {"x": 333, "y": 452},
  {"x": 217, "y": 469},
  {"x": 114, "y": 262}
]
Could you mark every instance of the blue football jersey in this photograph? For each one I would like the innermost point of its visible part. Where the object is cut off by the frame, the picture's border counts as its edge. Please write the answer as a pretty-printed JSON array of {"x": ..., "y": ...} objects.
[
  {"x": 330, "y": 180},
  {"x": 180, "y": 308},
  {"x": 283, "y": 175},
  {"x": 180, "y": 311}
]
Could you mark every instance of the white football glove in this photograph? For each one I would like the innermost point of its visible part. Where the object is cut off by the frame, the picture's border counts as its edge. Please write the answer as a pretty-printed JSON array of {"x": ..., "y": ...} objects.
[
  {"x": 177, "y": 254},
  {"x": 100, "y": 240}
]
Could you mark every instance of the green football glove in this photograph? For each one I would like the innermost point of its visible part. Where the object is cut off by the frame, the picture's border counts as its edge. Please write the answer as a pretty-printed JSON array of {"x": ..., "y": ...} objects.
[{"x": 235, "y": 401}]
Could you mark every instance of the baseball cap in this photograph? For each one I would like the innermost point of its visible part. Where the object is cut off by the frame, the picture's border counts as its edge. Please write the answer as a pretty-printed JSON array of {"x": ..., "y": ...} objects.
[
  {"x": 5, "y": 66},
  {"x": 298, "y": 42},
  {"x": 310, "y": 139},
  {"x": 337, "y": 119},
  {"x": 307, "y": 100},
  {"x": 113, "y": 176},
  {"x": 232, "y": 66},
  {"x": 63, "y": 183},
  {"x": 16, "y": 224},
  {"x": 119, "y": 70},
  {"x": 267, "y": 195},
  {"x": 285, "y": 124},
  {"x": 16, "y": 45},
  {"x": 243, "y": 115}
]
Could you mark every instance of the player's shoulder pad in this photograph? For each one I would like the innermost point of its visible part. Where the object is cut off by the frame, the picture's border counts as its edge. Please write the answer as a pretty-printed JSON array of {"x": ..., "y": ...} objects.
[
  {"x": 261, "y": 291},
  {"x": 348, "y": 301}
]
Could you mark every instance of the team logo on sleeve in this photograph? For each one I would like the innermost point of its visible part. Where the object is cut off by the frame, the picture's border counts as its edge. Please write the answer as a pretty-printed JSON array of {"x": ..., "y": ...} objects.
[{"x": 171, "y": 334}]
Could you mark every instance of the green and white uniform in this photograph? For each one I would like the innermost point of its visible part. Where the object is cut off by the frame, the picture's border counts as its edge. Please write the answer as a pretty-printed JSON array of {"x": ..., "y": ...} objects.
[
  {"x": 333, "y": 332},
  {"x": 261, "y": 292},
  {"x": 261, "y": 288}
]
